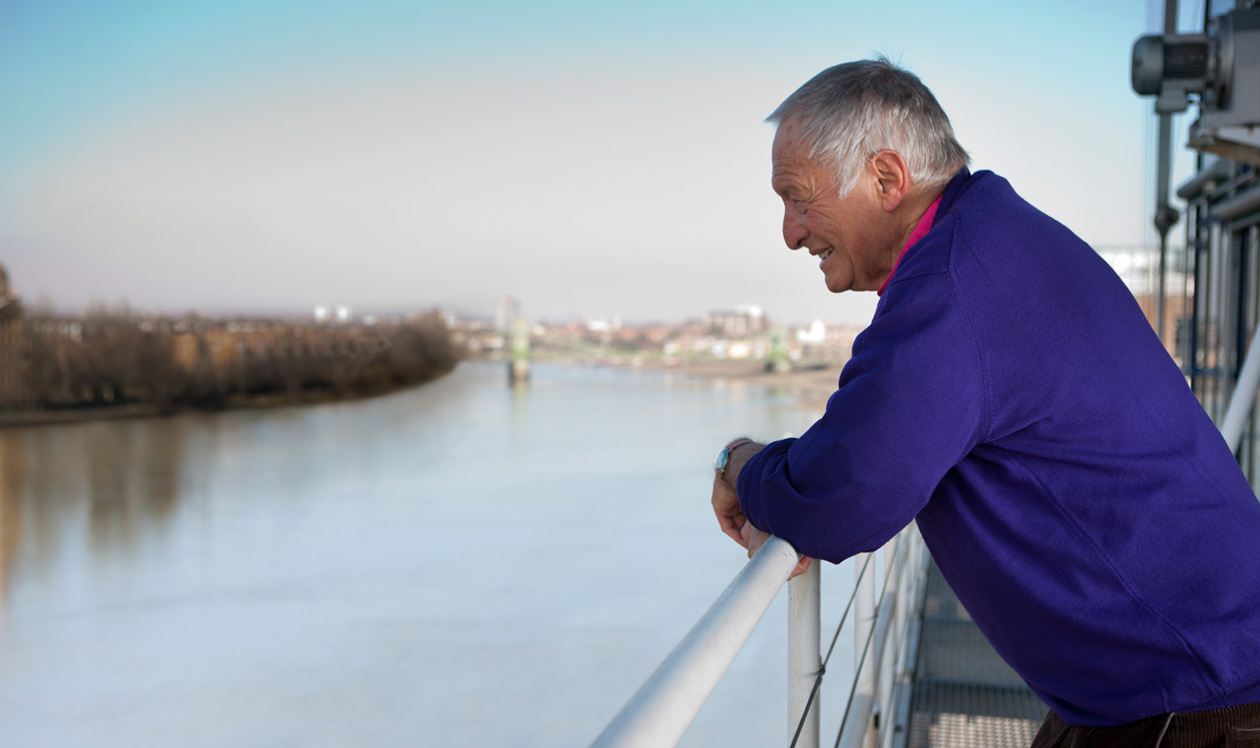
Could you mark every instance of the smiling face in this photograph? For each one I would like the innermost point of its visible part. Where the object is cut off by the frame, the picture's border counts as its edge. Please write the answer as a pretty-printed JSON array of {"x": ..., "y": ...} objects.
[{"x": 853, "y": 236}]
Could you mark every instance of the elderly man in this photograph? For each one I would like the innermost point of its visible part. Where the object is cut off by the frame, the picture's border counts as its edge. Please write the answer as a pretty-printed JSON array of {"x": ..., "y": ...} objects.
[{"x": 1010, "y": 397}]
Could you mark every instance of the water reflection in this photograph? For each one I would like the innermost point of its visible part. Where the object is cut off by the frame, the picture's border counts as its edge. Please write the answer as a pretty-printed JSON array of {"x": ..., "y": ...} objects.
[
  {"x": 106, "y": 485},
  {"x": 12, "y": 479},
  {"x": 133, "y": 472}
]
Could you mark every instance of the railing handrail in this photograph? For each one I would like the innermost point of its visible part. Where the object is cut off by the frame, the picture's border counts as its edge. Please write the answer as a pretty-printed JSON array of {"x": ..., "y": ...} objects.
[{"x": 662, "y": 709}]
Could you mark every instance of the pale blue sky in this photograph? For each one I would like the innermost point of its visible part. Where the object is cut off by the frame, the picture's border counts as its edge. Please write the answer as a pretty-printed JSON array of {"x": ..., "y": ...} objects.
[{"x": 588, "y": 158}]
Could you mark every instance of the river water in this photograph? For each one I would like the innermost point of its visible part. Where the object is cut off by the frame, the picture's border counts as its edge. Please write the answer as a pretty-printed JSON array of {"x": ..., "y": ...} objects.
[{"x": 460, "y": 564}]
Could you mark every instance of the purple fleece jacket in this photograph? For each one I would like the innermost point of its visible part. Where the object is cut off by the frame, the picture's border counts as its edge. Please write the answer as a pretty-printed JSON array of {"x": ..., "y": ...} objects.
[{"x": 1011, "y": 397}]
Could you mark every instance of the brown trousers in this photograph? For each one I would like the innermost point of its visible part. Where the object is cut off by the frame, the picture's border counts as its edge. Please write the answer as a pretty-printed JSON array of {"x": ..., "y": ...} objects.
[{"x": 1215, "y": 728}]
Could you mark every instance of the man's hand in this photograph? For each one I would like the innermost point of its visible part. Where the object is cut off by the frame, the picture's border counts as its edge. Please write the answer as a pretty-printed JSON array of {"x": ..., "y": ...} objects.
[
  {"x": 725, "y": 499},
  {"x": 753, "y": 539},
  {"x": 730, "y": 515}
]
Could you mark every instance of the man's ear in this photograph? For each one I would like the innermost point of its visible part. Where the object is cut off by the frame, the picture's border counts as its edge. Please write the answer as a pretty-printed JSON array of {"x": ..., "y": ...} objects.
[{"x": 893, "y": 175}]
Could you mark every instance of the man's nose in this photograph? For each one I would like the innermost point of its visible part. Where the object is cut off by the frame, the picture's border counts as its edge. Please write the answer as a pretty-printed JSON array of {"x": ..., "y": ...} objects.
[{"x": 794, "y": 231}]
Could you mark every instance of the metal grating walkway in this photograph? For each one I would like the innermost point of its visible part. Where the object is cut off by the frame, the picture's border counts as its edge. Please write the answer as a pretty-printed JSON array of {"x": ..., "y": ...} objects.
[{"x": 964, "y": 695}]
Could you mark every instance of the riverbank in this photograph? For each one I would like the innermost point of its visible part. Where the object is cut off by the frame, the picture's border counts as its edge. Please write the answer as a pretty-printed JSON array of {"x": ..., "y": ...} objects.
[
  {"x": 231, "y": 402},
  {"x": 810, "y": 386},
  {"x": 810, "y": 383},
  {"x": 77, "y": 415}
]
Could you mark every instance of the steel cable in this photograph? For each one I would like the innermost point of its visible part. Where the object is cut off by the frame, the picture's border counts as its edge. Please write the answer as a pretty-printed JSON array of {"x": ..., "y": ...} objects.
[
  {"x": 866, "y": 647},
  {"x": 822, "y": 670}
]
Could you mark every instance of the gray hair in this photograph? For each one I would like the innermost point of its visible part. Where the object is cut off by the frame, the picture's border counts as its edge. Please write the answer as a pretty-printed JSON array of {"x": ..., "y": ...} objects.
[{"x": 850, "y": 112}]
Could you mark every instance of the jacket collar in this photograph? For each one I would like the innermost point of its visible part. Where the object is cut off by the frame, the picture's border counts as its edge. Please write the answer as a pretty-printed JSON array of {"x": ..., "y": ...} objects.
[{"x": 952, "y": 191}]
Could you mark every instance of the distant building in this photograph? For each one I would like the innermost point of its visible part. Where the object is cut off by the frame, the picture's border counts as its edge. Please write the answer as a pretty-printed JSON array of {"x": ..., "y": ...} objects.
[
  {"x": 13, "y": 392},
  {"x": 738, "y": 323}
]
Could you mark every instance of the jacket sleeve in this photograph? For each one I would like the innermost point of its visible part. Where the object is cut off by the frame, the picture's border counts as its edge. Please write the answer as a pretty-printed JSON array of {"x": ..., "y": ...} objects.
[{"x": 912, "y": 402}]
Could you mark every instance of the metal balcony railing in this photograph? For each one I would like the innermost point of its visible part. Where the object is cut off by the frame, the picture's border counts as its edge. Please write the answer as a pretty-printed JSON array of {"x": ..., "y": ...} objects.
[{"x": 885, "y": 632}]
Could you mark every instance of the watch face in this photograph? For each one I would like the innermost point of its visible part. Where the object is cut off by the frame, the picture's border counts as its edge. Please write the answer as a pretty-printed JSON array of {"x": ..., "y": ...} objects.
[{"x": 722, "y": 459}]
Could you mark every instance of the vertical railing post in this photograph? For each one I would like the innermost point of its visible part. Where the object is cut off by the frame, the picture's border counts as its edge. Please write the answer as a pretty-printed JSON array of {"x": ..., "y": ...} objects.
[
  {"x": 864, "y": 622},
  {"x": 894, "y": 562},
  {"x": 913, "y": 581},
  {"x": 804, "y": 654}
]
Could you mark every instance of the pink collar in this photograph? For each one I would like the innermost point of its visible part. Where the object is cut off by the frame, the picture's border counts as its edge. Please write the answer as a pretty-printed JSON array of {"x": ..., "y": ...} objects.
[{"x": 924, "y": 225}]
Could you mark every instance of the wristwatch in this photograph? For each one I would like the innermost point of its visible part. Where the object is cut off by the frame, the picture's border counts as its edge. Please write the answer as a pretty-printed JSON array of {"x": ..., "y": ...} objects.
[{"x": 724, "y": 457}]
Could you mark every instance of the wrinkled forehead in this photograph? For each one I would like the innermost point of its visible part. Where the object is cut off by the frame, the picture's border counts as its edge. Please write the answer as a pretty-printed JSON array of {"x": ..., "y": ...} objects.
[
  {"x": 787, "y": 139},
  {"x": 789, "y": 156}
]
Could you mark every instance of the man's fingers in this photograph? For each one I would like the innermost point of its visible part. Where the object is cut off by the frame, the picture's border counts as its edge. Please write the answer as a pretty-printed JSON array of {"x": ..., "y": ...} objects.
[
  {"x": 754, "y": 538},
  {"x": 735, "y": 534},
  {"x": 732, "y": 523},
  {"x": 801, "y": 567}
]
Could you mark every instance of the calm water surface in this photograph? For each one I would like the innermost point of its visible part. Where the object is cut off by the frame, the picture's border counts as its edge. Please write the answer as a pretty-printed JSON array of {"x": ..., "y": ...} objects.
[{"x": 461, "y": 564}]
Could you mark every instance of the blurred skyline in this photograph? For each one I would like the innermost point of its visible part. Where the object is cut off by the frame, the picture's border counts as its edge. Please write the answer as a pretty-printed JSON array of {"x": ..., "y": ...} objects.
[{"x": 589, "y": 159}]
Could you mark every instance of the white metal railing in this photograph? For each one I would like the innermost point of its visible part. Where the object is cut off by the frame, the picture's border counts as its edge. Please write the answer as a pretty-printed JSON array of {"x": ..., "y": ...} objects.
[
  {"x": 663, "y": 708},
  {"x": 885, "y": 625},
  {"x": 1243, "y": 399}
]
